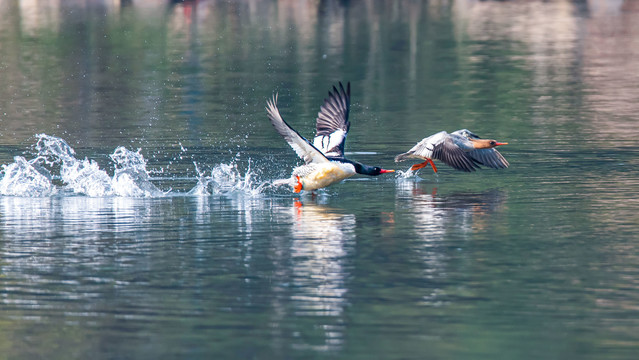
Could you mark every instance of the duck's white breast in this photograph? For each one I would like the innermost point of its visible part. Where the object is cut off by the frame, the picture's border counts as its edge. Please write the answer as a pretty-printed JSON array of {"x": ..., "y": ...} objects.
[{"x": 325, "y": 174}]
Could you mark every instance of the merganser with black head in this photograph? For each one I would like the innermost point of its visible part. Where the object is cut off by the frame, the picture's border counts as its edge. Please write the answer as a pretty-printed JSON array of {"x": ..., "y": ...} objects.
[
  {"x": 324, "y": 159},
  {"x": 462, "y": 150}
]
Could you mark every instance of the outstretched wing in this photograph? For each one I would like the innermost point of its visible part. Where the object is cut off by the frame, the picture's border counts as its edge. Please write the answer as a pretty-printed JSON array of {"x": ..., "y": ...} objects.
[
  {"x": 332, "y": 122},
  {"x": 466, "y": 133},
  {"x": 489, "y": 157},
  {"x": 302, "y": 147},
  {"x": 451, "y": 154}
]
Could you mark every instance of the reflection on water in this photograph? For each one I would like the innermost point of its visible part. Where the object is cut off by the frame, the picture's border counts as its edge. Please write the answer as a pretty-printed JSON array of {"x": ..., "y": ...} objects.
[
  {"x": 448, "y": 220},
  {"x": 322, "y": 239},
  {"x": 157, "y": 62},
  {"x": 62, "y": 253},
  {"x": 588, "y": 48},
  {"x": 195, "y": 256},
  {"x": 469, "y": 212}
]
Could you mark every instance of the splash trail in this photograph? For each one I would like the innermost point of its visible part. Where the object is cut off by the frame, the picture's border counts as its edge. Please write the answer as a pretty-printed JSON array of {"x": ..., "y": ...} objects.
[{"x": 56, "y": 170}]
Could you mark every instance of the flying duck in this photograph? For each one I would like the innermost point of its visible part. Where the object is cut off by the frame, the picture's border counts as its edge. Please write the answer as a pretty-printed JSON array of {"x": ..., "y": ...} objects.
[
  {"x": 462, "y": 150},
  {"x": 324, "y": 161}
]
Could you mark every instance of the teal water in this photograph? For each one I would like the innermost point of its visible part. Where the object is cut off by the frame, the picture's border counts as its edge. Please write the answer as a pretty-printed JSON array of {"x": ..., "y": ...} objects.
[{"x": 179, "y": 248}]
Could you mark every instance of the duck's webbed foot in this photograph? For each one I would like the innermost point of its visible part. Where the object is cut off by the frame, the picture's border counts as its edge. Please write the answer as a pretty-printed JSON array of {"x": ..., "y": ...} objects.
[
  {"x": 298, "y": 185},
  {"x": 424, "y": 164}
]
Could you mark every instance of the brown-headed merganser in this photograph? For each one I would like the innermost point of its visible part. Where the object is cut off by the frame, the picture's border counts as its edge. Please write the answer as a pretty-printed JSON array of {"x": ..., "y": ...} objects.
[
  {"x": 324, "y": 159},
  {"x": 461, "y": 149}
]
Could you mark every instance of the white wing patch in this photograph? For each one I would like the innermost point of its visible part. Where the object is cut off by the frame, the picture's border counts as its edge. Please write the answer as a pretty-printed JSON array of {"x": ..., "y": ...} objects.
[{"x": 331, "y": 145}]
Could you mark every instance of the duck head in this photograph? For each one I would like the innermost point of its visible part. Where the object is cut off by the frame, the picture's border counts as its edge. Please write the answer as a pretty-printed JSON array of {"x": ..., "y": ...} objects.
[
  {"x": 370, "y": 170},
  {"x": 486, "y": 143}
]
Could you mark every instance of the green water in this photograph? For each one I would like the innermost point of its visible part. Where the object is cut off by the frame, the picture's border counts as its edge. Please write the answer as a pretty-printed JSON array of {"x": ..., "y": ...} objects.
[{"x": 537, "y": 261}]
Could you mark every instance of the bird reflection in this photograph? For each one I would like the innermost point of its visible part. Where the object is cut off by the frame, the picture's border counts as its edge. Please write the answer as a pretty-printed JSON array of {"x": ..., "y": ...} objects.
[
  {"x": 188, "y": 8},
  {"x": 321, "y": 239},
  {"x": 437, "y": 214},
  {"x": 444, "y": 219}
]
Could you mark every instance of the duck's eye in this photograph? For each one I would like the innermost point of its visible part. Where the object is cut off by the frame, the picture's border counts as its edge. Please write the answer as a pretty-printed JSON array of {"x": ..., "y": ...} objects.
[{"x": 493, "y": 143}]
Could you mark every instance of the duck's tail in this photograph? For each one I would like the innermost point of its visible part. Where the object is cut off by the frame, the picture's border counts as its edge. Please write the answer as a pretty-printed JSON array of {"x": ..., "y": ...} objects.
[{"x": 293, "y": 182}]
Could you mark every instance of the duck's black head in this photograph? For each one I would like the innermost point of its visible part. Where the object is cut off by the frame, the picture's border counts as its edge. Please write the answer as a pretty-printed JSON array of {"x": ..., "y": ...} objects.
[
  {"x": 370, "y": 170},
  {"x": 361, "y": 168}
]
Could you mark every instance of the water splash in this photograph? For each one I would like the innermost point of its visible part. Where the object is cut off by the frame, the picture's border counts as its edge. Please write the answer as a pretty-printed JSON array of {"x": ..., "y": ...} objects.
[
  {"x": 131, "y": 177},
  {"x": 33, "y": 178},
  {"x": 22, "y": 178},
  {"x": 227, "y": 179},
  {"x": 404, "y": 174},
  {"x": 38, "y": 177},
  {"x": 413, "y": 174},
  {"x": 79, "y": 176},
  {"x": 53, "y": 150},
  {"x": 86, "y": 177}
]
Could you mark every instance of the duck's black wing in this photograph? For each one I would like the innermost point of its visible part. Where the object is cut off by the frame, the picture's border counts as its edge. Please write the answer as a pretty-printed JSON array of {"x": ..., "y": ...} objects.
[
  {"x": 451, "y": 154},
  {"x": 489, "y": 157},
  {"x": 332, "y": 122}
]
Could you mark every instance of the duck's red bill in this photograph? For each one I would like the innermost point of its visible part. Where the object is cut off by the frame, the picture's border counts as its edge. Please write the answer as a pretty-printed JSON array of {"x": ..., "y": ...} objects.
[{"x": 383, "y": 171}]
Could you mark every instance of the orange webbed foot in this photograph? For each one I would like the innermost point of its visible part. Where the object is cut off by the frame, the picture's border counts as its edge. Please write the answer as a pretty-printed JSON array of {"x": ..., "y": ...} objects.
[
  {"x": 298, "y": 186},
  {"x": 419, "y": 166},
  {"x": 424, "y": 164},
  {"x": 432, "y": 164}
]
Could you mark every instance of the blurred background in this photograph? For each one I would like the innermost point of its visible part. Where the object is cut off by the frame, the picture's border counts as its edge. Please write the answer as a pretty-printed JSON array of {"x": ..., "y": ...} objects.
[{"x": 107, "y": 72}]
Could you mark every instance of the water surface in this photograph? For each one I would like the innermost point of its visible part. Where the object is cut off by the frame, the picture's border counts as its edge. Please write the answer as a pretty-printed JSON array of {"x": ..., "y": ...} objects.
[{"x": 137, "y": 218}]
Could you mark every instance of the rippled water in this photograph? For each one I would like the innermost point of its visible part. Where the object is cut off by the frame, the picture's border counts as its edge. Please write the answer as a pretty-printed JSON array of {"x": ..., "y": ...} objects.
[{"x": 137, "y": 219}]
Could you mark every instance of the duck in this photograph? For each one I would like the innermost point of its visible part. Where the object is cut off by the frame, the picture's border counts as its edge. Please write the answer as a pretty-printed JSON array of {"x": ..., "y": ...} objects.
[
  {"x": 324, "y": 161},
  {"x": 462, "y": 150}
]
